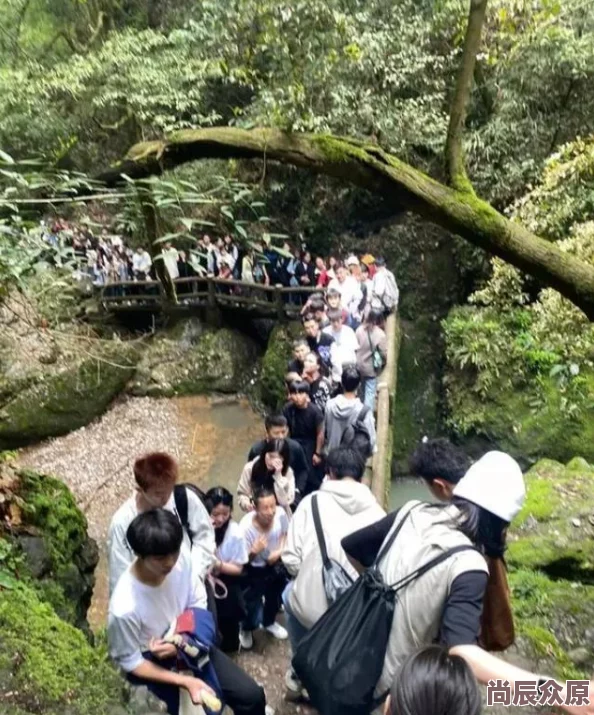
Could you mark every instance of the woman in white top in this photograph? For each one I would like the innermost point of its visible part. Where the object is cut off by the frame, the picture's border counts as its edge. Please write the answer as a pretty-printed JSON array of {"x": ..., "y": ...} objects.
[
  {"x": 265, "y": 532},
  {"x": 231, "y": 556},
  {"x": 270, "y": 470}
]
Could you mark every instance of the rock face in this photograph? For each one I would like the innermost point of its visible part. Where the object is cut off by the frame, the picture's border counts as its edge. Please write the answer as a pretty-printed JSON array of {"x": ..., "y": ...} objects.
[
  {"x": 191, "y": 360},
  {"x": 274, "y": 364},
  {"x": 47, "y": 664},
  {"x": 551, "y": 562},
  {"x": 54, "y": 382}
]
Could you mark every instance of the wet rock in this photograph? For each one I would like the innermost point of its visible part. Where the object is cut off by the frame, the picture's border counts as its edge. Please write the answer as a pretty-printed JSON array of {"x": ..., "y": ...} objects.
[
  {"x": 580, "y": 656},
  {"x": 143, "y": 702},
  {"x": 190, "y": 360},
  {"x": 36, "y": 555}
]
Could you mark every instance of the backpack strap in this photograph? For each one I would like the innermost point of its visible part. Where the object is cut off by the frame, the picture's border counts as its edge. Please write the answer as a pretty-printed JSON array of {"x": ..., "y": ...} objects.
[
  {"x": 319, "y": 532},
  {"x": 362, "y": 414},
  {"x": 180, "y": 496},
  {"x": 388, "y": 545},
  {"x": 440, "y": 558}
]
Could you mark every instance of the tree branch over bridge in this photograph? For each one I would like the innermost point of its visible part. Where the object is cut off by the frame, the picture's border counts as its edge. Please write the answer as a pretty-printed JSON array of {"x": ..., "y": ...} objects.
[{"x": 371, "y": 168}]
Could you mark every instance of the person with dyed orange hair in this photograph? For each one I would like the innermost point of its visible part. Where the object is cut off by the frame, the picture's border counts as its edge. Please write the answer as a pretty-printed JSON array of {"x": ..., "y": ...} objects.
[{"x": 155, "y": 475}]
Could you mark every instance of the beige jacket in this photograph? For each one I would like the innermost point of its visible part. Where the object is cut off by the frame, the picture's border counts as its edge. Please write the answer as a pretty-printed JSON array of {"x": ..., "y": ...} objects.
[{"x": 284, "y": 487}]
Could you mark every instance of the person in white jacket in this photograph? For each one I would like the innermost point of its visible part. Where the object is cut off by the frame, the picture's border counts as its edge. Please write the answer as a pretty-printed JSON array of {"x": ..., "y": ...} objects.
[
  {"x": 345, "y": 505},
  {"x": 155, "y": 475},
  {"x": 271, "y": 471}
]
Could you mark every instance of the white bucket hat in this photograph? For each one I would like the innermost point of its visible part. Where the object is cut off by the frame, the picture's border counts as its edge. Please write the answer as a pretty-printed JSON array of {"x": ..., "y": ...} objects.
[{"x": 496, "y": 483}]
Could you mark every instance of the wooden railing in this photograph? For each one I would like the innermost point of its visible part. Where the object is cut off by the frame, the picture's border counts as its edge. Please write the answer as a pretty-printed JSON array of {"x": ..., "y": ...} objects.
[
  {"x": 386, "y": 395},
  {"x": 276, "y": 300}
]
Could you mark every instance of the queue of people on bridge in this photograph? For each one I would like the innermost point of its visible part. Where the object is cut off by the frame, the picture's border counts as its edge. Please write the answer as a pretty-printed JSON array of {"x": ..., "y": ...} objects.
[{"x": 190, "y": 584}]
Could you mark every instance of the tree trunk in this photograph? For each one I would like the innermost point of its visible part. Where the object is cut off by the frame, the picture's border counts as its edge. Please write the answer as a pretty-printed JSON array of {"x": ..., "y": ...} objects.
[
  {"x": 371, "y": 168},
  {"x": 151, "y": 226},
  {"x": 454, "y": 151}
]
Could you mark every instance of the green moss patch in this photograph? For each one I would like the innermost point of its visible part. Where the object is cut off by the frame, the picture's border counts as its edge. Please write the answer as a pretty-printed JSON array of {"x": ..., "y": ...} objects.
[
  {"x": 47, "y": 666},
  {"x": 274, "y": 364}
]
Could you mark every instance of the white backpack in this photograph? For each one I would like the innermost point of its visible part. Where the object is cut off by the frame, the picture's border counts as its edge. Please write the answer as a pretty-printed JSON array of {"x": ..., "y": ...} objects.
[{"x": 390, "y": 296}]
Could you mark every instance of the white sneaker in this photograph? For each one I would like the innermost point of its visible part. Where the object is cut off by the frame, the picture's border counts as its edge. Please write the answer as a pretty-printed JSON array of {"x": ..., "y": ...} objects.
[
  {"x": 277, "y": 631},
  {"x": 269, "y": 710},
  {"x": 246, "y": 640},
  {"x": 292, "y": 682}
]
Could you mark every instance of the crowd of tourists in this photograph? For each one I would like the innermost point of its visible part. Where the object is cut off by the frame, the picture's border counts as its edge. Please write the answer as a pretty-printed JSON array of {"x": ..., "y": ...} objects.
[{"x": 393, "y": 609}]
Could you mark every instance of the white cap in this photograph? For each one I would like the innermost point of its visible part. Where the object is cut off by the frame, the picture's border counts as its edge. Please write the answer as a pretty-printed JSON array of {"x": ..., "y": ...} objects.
[
  {"x": 496, "y": 483},
  {"x": 352, "y": 261}
]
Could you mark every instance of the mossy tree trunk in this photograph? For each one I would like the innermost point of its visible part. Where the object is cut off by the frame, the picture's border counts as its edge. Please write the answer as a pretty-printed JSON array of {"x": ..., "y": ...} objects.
[
  {"x": 368, "y": 166},
  {"x": 454, "y": 152}
]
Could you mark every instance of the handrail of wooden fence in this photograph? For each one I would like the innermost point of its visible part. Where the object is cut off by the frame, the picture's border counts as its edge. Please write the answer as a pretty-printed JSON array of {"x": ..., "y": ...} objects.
[{"x": 386, "y": 394}]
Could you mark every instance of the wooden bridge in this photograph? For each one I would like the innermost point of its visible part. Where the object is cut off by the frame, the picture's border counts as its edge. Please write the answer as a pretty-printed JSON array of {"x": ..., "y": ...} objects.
[{"x": 262, "y": 301}]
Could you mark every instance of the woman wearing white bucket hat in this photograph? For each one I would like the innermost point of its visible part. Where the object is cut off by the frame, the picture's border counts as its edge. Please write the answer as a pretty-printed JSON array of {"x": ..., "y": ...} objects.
[{"x": 444, "y": 604}]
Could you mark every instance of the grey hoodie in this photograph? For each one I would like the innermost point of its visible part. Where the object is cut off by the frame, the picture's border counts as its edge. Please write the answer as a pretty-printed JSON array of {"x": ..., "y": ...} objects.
[
  {"x": 342, "y": 412},
  {"x": 345, "y": 506}
]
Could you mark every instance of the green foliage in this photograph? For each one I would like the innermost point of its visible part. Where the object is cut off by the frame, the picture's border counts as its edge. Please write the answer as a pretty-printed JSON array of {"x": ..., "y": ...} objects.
[{"x": 274, "y": 364}]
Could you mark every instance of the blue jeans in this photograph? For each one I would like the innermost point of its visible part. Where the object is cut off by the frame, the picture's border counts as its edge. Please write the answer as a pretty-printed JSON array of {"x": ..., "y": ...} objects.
[
  {"x": 295, "y": 628},
  {"x": 368, "y": 391}
]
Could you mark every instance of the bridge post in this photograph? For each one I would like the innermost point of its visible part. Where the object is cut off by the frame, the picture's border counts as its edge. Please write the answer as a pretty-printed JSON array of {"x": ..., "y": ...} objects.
[
  {"x": 213, "y": 314},
  {"x": 280, "y": 306}
]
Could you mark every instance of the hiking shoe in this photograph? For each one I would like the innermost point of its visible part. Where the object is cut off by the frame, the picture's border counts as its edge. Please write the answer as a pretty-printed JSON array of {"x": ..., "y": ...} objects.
[
  {"x": 246, "y": 640},
  {"x": 277, "y": 631}
]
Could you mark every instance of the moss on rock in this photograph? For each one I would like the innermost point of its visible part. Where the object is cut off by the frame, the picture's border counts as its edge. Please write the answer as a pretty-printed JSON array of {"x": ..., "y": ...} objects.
[
  {"x": 47, "y": 665},
  {"x": 190, "y": 360},
  {"x": 274, "y": 364},
  {"x": 55, "y": 399}
]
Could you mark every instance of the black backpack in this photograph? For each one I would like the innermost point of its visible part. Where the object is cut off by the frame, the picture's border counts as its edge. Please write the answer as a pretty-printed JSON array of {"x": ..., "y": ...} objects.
[
  {"x": 356, "y": 436},
  {"x": 180, "y": 495},
  {"x": 340, "y": 660}
]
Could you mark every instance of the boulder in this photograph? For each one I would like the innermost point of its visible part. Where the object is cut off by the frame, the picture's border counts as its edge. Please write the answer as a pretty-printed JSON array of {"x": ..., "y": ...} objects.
[
  {"x": 274, "y": 364},
  {"x": 54, "y": 382},
  {"x": 551, "y": 568},
  {"x": 188, "y": 359}
]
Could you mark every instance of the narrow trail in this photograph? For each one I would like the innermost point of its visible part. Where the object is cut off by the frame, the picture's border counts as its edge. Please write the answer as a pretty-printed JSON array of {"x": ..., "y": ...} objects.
[{"x": 209, "y": 437}]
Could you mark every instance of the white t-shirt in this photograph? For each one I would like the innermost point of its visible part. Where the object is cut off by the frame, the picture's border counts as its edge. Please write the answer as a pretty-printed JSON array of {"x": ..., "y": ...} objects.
[
  {"x": 251, "y": 533},
  {"x": 170, "y": 257},
  {"x": 201, "y": 549},
  {"x": 350, "y": 293},
  {"x": 233, "y": 549},
  {"x": 346, "y": 344},
  {"x": 138, "y": 612}
]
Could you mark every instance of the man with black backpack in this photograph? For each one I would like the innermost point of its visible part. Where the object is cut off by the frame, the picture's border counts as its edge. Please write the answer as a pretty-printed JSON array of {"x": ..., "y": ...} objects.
[
  {"x": 348, "y": 422},
  {"x": 313, "y": 553},
  {"x": 156, "y": 476}
]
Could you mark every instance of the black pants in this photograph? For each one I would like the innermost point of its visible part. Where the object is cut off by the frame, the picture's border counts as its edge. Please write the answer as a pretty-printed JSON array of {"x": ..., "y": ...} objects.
[
  {"x": 240, "y": 692},
  {"x": 263, "y": 588},
  {"x": 230, "y": 612}
]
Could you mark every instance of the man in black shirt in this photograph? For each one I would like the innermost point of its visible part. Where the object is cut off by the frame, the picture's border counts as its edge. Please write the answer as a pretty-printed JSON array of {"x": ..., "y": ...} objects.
[
  {"x": 306, "y": 425},
  {"x": 277, "y": 428},
  {"x": 300, "y": 350}
]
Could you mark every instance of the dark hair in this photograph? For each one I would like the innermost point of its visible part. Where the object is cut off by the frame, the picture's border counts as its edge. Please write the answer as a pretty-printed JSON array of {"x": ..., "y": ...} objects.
[
  {"x": 308, "y": 317},
  {"x": 155, "y": 468},
  {"x": 439, "y": 459},
  {"x": 275, "y": 421},
  {"x": 433, "y": 682},
  {"x": 334, "y": 314},
  {"x": 374, "y": 317},
  {"x": 380, "y": 261},
  {"x": 214, "y": 497},
  {"x": 345, "y": 462},
  {"x": 217, "y": 496},
  {"x": 333, "y": 292},
  {"x": 261, "y": 477},
  {"x": 156, "y": 532},
  {"x": 300, "y": 341},
  {"x": 299, "y": 386},
  {"x": 484, "y": 529},
  {"x": 350, "y": 379},
  {"x": 262, "y": 493},
  {"x": 317, "y": 305}
]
